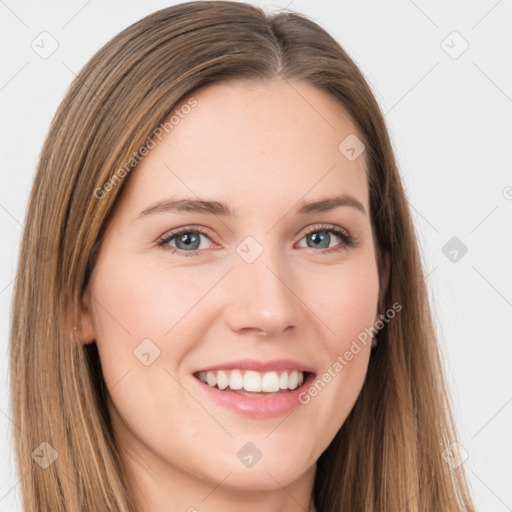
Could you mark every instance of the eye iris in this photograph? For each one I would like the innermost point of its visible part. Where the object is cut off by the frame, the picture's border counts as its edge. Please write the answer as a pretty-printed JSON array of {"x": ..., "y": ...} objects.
[
  {"x": 188, "y": 239},
  {"x": 320, "y": 236}
]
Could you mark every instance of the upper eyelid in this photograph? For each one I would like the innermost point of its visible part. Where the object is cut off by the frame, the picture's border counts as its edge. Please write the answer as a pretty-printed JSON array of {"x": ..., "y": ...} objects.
[
  {"x": 326, "y": 227},
  {"x": 169, "y": 235}
]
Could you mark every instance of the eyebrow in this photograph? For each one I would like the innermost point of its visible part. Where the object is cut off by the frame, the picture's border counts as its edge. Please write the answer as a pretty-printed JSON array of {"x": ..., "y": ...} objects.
[{"x": 224, "y": 210}]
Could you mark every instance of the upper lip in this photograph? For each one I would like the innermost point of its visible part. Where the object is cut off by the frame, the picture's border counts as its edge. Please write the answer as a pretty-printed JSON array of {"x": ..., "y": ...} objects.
[{"x": 259, "y": 366}]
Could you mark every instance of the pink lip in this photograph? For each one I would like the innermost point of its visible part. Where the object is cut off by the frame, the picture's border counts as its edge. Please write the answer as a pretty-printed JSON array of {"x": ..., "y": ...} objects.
[{"x": 259, "y": 366}]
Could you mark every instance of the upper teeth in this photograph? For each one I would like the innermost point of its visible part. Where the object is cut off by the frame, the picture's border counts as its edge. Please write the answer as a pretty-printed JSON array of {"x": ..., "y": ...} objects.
[{"x": 253, "y": 381}]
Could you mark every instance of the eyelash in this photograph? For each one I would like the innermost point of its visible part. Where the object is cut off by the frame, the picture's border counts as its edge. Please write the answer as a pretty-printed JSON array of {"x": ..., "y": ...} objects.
[{"x": 347, "y": 240}]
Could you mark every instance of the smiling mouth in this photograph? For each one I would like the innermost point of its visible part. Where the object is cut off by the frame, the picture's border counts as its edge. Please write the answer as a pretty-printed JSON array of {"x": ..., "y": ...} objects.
[{"x": 253, "y": 383}]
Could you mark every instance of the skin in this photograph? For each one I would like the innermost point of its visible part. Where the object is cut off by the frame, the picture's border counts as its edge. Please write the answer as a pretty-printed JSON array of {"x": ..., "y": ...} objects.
[{"x": 262, "y": 148}]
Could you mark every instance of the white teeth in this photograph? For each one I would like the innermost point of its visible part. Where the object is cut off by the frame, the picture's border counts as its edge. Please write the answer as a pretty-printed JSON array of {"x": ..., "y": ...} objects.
[
  {"x": 293, "y": 380},
  {"x": 268, "y": 382},
  {"x": 252, "y": 381},
  {"x": 222, "y": 380},
  {"x": 283, "y": 380},
  {"x": 211, "y": 379},
  {"x": 236, "y": 380}
]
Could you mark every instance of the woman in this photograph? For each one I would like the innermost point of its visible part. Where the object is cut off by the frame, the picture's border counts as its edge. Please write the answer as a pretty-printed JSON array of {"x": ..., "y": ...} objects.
[{"x": 219, "y": 300}]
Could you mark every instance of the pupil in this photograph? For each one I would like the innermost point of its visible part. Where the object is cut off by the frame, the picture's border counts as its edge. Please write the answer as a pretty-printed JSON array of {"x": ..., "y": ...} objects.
[
  {"x": 316, "y": 237},
  {"x": 188, "y": 239}
]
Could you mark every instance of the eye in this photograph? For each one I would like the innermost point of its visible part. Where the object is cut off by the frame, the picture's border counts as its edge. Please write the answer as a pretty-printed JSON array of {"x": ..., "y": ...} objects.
[
  {"x": 322, "y": 236},
  {"x": 186, "y": 240}
]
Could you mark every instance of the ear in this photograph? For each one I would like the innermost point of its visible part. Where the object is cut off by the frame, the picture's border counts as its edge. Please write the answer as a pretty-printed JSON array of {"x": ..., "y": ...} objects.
[
  {"x": 87, "y": 332},
  {"x": 384, "y": 282}
]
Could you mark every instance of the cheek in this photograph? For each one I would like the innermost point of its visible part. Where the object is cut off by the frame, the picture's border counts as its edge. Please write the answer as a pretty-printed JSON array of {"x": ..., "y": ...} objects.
[
  {"x": 345, "y": 301},
  {"x": 348, "y": 307},
  {"x": 146, "y": 315},
  {"x": 139, "y": 316},
  {"x": 134, "y": 301}
]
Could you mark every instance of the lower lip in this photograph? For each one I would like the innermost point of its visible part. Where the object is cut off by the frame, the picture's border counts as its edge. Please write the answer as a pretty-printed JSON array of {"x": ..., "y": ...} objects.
[{"x": 257, "y": 406}]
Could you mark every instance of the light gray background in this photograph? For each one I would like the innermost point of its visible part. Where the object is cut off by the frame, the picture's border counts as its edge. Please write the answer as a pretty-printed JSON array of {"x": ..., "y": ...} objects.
[{"x": 450, "y": 121}]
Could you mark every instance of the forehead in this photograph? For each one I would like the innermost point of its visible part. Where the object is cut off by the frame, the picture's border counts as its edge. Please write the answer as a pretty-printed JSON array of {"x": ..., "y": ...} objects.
[{"x": 268, "y": 141}]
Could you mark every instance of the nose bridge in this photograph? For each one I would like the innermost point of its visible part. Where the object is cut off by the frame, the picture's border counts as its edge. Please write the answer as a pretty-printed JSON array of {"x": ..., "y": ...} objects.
[{"x": 261, "y": 298}]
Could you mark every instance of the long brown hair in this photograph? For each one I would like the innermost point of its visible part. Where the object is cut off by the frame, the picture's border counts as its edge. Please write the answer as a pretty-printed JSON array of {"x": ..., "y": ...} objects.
[{"x": 388, "y": 455}]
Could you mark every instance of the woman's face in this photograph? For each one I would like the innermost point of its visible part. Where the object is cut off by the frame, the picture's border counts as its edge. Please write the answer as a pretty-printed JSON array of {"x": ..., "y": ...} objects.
[{"x": 267, "y": 288}]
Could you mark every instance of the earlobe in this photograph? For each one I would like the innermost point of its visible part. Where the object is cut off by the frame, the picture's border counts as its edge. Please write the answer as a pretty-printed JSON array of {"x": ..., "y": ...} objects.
[{"x": 86, "y": 334}]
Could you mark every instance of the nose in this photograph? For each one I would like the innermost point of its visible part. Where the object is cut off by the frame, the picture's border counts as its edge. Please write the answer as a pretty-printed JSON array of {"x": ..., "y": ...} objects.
[{"x": 262, "y": 300}]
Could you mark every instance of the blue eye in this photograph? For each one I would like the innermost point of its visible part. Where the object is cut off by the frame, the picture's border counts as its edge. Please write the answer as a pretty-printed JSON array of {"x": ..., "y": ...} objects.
[
  {"x": 322, "y": 236},
  {"x": 188, "y": 241}
]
